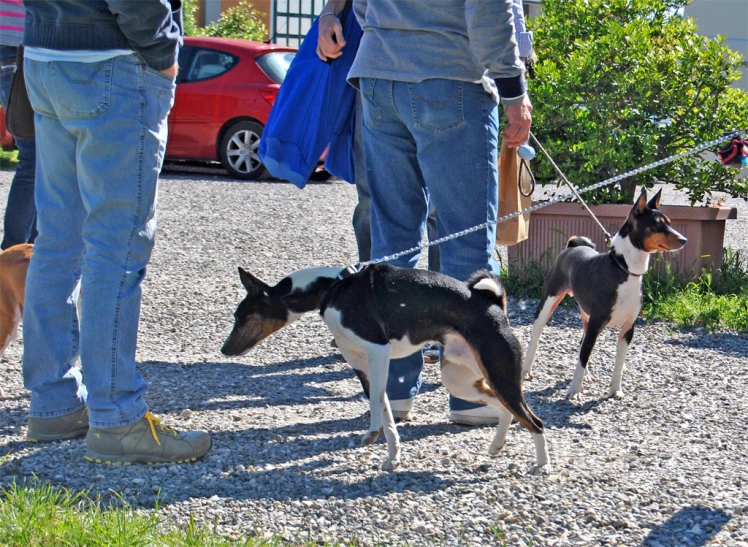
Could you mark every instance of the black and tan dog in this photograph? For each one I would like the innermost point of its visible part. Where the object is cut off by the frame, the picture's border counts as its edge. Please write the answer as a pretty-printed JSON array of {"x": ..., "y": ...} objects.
[
  {"x": 382, "y": 313},
  {"x": 607, "y": 286}
]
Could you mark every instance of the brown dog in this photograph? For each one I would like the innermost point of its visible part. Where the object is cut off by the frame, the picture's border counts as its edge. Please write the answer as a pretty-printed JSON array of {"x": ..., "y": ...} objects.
[{"x": 14, "y": 262}]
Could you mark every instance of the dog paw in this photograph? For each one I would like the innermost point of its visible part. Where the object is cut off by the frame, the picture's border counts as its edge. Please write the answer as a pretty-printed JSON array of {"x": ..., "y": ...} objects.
[
  {"x": 391, "y": 465},
  {"x": 370, "y": 437},
  {"x": 540, "y": 469},
  {"x": 494, "y": 449},
  {"x": 574, "y": 394},
  {"x": 616, "y": 394}
]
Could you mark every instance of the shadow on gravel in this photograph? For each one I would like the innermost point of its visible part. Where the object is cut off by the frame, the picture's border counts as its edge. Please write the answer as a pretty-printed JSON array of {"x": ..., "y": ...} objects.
[
  {"x": 211, "y": 385},
  {"x": 694, "y": 525},
  {"x": 735, "y": 345},
  {"x": 561, "y": 413},
  {"x": 289, "y": 443}
]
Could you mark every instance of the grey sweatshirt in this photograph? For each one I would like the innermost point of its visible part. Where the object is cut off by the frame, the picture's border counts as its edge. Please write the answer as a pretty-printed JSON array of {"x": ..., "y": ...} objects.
[{"x": 415, "y": 40}]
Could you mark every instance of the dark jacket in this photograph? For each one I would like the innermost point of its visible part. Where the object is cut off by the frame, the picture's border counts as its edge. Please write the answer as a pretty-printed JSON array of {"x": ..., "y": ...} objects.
[{"x": 151, "y": 28}]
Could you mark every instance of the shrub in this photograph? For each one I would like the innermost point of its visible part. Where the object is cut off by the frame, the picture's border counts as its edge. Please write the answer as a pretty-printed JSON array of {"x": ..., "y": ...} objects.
[
  {"x": 623, "y": 83},
  {"x": 240, "y": 21}
]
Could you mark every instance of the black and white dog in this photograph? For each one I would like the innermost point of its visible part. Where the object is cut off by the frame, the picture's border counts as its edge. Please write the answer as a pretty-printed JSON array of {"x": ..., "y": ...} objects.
[
  {"x": 384, "y": 312},
  {"x": 607, "y": 286}
]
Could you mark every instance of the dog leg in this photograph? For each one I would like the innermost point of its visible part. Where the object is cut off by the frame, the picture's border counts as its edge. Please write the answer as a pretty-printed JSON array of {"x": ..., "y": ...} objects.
[
  {"x": 594, "y": 326},
  {"x": 514, "y": 401},
  {"x": 393, "y": 439},
  {"x": 8, "y": 333},
  {"x": 382, "y": 420},
  {"x": 543, "y": 314},
  {"x": 499, "y": 440},
  {"x": 358, "y": 361},
  {"x": 624, "y": 340},
  {"x": 585, "y": 321},
  {"x": 543, "y": 463}
]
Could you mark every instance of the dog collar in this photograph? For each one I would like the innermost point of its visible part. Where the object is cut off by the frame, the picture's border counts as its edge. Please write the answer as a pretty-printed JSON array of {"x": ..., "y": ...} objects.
[
  {"x": 621, "y": 264},
  {"x": 349, "y": 270}
]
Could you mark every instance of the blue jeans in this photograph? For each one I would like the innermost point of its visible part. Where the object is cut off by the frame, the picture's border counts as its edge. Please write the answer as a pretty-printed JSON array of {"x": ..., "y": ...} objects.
[
  {"x": 19, "y": 225},
  {"x": 432, "y": 141},
  {"x": 362, "y": 211},
  {"x": 102, "y": 127}
]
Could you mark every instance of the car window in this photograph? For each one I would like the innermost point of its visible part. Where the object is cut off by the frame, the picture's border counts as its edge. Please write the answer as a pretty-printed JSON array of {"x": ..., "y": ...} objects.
[
  {"x": 276, "y": 64},
  {"x": 204, "y": 63}
]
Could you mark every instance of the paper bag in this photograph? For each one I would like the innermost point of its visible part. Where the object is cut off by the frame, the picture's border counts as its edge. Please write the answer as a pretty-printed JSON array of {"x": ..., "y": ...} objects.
[{"x": 512, "y": 198}]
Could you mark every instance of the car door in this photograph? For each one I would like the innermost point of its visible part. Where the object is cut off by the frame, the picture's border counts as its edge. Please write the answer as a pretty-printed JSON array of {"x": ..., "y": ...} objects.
[{"x": 194, "y": 120}]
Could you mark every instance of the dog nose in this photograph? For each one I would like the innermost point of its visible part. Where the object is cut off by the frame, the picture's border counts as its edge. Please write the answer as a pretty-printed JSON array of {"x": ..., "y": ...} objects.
[{"x": 682, "y": 240}]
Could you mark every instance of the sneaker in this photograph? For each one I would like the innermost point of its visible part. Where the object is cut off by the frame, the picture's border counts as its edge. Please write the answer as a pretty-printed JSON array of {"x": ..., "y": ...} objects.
[
  {"x": 483, "y": 415},
  {"x": 401, "y": 410},
  {"x": 61, "y": 428},
  {"x": 431, "y": 353},
  {"x": 145, "y": 441}
]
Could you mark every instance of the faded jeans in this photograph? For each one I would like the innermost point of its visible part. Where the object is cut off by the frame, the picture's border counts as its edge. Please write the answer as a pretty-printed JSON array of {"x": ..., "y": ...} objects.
[
  {"x": 103, "y": 128},
  {"x": 362, "y": 211},
  {"x": 434, "y": 140}
]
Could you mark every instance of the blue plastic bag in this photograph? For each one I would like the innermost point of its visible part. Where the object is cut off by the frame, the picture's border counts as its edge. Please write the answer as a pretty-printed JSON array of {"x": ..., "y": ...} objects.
[
  {"x": 315, "y": 105},
  {"x": 341, "y": 160}
]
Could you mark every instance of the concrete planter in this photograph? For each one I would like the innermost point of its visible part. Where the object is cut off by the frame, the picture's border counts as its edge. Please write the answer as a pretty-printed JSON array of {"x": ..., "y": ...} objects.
[{"x": 551, "y": 227}]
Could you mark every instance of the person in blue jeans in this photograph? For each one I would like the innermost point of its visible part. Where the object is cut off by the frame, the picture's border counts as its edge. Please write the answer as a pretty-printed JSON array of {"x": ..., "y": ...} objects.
[
  {"x": 430, "y": 132},
  {"x": 101, "y": 97},
  {"x": 19, "y": 225},
  {"x": 330, "y": 44}
]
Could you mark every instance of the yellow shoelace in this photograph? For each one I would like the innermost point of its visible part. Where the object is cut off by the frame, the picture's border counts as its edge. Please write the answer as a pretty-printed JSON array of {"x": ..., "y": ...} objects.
[{"x": 153, "y": 421}]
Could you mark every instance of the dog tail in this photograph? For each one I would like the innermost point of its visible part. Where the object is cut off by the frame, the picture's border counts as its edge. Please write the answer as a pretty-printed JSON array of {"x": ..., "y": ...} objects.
[
  {"x": 579, "y": 241},
  {"x": 489, "y": 285}
]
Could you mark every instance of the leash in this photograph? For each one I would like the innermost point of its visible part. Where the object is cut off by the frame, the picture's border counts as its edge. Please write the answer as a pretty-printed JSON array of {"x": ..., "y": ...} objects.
[
  {"x": 551, "y": 201},
  {"x": 608, "y": 237}
]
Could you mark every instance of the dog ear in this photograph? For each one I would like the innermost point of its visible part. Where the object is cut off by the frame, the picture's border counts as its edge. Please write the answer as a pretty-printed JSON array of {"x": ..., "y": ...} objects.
[
  {"x": 250, "y": 282},
  {"x": 654, "y": 203},
  {"x": 641, "y": 203}
]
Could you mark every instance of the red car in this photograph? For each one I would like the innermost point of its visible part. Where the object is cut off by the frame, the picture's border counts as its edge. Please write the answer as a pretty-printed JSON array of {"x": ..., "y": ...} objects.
[{"x": 225, "y": 90}]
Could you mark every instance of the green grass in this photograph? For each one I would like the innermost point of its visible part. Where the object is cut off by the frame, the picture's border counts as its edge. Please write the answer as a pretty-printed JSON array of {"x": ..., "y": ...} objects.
[
  {"x": 8, "y": 160},
  {"x": 715, "y": 304},
  {"x": 40, "y": 515}
]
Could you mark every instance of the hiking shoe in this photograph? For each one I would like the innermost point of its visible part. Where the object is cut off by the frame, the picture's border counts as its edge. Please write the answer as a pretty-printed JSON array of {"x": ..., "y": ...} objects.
[
  {"x": 61, "y": 428},
  {"x": 145, "y": 441},
  {"x": 401, "y": 410},
  {"x": 431, "y": 353},
  {"x": 483, "y": 415}
]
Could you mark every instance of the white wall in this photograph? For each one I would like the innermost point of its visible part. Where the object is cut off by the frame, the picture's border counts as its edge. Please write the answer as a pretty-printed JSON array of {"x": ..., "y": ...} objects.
[{"x": 728, "y": 18}]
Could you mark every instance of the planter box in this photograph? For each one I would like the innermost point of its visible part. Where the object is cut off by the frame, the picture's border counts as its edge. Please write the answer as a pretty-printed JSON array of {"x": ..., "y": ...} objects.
[{"x": 551, "y": 227}]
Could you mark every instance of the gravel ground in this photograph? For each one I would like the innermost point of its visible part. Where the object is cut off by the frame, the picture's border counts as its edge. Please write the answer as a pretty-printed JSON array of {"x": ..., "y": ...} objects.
[{"x": 664, "y": 466}]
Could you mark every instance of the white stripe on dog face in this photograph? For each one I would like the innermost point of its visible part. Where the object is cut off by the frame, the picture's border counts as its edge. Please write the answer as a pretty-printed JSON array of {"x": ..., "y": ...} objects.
[{"x": 303, "y": 278}]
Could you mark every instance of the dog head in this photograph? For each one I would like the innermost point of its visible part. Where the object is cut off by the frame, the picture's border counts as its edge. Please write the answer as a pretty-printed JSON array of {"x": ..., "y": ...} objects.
[
  {"x": 260, "y": 314},
  {"x": 649, "y": 229}
]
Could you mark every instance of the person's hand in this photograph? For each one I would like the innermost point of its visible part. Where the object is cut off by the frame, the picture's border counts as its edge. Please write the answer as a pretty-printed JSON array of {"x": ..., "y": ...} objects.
[
  {"x": 172, "y": 71},
  {"x": 329, "y": 28},
  {"x": 518, "y": 124}
]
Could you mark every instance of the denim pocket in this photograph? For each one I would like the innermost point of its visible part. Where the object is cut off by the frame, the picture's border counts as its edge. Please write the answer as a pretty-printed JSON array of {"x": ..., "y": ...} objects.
[
  {"x": 437, "y": 104},
  {"x": 372, "y": 113},
  {"x": 84, "y": 89}
]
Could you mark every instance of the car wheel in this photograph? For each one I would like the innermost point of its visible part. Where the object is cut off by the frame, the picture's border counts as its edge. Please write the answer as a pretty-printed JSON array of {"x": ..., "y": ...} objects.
[{"x": 239, "y": 151}]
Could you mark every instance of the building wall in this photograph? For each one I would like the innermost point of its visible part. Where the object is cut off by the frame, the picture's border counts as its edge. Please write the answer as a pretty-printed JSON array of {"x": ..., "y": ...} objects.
[
  {"x": 210, "y": 10},
  {"x": 728, "y": 18}
]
